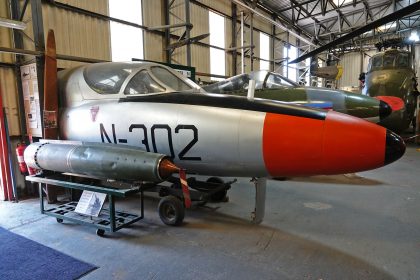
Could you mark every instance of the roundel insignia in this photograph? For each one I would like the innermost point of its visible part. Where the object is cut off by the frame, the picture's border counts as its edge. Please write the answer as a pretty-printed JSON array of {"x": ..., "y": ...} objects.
[{"x": 94, "y": 112}]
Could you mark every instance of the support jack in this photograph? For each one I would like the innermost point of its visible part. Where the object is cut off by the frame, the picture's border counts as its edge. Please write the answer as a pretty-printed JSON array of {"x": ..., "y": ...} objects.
[{"x": 257, "y": 215}]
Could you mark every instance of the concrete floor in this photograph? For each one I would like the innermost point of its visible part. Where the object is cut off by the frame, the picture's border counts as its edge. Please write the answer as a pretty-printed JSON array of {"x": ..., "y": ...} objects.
[{"x": 365, "y": 226}]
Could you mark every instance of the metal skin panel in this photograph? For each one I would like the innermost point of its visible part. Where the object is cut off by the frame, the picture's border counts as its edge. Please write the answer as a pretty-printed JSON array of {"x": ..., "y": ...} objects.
[{"x": 228, "y": 142}]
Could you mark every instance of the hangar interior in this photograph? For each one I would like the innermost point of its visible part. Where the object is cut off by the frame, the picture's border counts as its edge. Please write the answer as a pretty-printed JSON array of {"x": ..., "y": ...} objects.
[{"x": 346, "y": 217}]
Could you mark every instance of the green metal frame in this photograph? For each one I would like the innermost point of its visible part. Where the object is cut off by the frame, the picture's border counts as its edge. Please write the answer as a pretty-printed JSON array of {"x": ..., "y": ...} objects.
[{"x": 113, "y": 221}]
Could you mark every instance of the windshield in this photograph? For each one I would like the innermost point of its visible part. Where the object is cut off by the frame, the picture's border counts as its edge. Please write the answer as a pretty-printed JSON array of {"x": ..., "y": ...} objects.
[
  {"x": 170, "y": 79},
  {"x": 142, "y": 83},
  {"x": 388, "y": 60},
  {"x": 263, "y": 79},
  {"x": 275, "y": 80},
  {"x": 239, "y": 82},
  {"x": 403, "y": 60},
  {"x": 107, "y": 78}
]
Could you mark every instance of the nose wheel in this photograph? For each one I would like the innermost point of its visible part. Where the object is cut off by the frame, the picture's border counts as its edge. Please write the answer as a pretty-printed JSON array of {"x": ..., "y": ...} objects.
[{"x": 171, "y": 210}]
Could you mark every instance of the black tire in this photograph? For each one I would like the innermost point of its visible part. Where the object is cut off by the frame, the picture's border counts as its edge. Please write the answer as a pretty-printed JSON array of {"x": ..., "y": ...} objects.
[
  {"x": 220, "y": 196},
  {"x": 100, "y": 232},
  {"x": 59, "y": 220},
  {"x": 171, "y": 210}
]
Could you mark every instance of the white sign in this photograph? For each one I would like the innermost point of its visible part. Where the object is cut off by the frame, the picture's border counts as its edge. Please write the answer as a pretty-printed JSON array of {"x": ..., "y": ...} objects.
[{"x": 90, "y": 203}]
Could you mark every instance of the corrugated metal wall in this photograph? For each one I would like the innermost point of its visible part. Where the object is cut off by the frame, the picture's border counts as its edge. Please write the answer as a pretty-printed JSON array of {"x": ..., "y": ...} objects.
[
  {"x": 352, "y": 67},
  {"x": 153, "y": 43},
  {"x": 75, "y": 34},
  {"x": 352, "y": 64}
]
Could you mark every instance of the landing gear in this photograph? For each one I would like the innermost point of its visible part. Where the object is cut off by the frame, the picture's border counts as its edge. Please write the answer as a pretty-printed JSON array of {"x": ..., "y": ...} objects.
[
  {"x": 219, "y": 196},
  {"x": 171, "y": 210},
  {"x": 59, "y": 220},
  {"x": 260, "y": 188}
]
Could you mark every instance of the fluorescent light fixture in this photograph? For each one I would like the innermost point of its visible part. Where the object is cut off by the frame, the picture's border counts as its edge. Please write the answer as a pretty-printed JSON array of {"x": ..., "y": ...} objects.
[
  {"x": 5, "y": 22},
  {"x": 414, "y": 36}
]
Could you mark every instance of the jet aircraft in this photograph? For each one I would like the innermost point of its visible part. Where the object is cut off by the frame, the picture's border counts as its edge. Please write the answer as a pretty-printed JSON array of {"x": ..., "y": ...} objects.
[
  {"x": 156, "y": 109},
  {"x": 154, "y": 115},
  {"x": 270, "y": 85}
]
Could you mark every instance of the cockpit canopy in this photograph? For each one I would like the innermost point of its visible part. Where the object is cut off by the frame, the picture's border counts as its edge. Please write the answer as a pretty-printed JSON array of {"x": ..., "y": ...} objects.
[
  {"x": 263, "y": 79},
  {"x": 134, "y": 78},
  {"x": 389, "y": 60}
]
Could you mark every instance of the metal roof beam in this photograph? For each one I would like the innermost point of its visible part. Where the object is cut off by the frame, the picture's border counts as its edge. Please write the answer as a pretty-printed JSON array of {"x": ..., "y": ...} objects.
[
  {"x": 383, "y": 20},
  {"x": 308, "y": 14},
  {"x": 368, "y": 11},
  {"x": 296, "y": 6},
  {"x": 354, "y": 12},
  {"x": 342, "y": 16},
  {"x": 347, "y": 14}
]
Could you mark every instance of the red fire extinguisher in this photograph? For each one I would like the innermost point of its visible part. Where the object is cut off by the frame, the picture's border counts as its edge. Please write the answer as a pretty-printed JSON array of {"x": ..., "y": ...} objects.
[{"x": 19, "y": 153}]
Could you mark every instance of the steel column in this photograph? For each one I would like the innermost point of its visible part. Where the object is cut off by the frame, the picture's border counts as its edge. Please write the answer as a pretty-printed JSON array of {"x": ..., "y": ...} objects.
[
  {"x": 18, "y": 43},
  {"x": 272, "y": 40},
  {"x": 187, "y": 30},
  {"x": 38, "y": 29},
  {"x": 242, "y": 44},
  {"x": 234, "y": 39},
  {"x": 167, "y": 31},
  {"x": 251, "y": 37}
]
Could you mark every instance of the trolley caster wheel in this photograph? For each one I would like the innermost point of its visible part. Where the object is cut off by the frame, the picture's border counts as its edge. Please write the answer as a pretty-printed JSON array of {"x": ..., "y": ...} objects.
[
  {"x": 59, "y": 220},
  {"x": 220, "y": 196},
  {"x": 100, "y": 232},
  {"x": 171, "y": 210}
]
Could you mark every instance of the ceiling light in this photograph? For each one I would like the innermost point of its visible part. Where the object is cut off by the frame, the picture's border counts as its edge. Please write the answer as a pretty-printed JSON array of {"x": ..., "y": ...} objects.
[{"x": 414, "y": 36}]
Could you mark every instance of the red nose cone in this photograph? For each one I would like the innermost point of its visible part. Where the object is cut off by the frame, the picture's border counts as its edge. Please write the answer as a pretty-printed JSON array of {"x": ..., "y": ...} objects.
[
  {"x": 352, "y": 144},
  {"x": 297, "y": 146}
]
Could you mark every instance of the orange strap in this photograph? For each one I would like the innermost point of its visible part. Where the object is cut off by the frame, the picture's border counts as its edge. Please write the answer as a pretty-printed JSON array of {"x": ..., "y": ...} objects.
[{"x": 185, "y": 189}]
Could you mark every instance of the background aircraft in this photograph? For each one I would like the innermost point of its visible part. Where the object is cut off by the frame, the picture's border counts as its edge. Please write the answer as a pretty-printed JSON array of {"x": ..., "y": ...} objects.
[
  {"x": 330, "y": 72},
  {"x": 397, "y": 78},
  {"x": 273, "y": 86},
  {"x": 391, "y": 73}
]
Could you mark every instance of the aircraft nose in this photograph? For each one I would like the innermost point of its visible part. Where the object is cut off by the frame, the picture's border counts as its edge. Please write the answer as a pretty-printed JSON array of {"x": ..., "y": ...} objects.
[
  {"x": 299, "y": 146},
  {"x": 384, "y": 110},
  {"x": 394, "y": 147}
]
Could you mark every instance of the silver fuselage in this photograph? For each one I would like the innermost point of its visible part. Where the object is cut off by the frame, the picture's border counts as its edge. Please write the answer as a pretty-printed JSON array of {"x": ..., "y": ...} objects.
[{"x": 202, "y": 139}]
